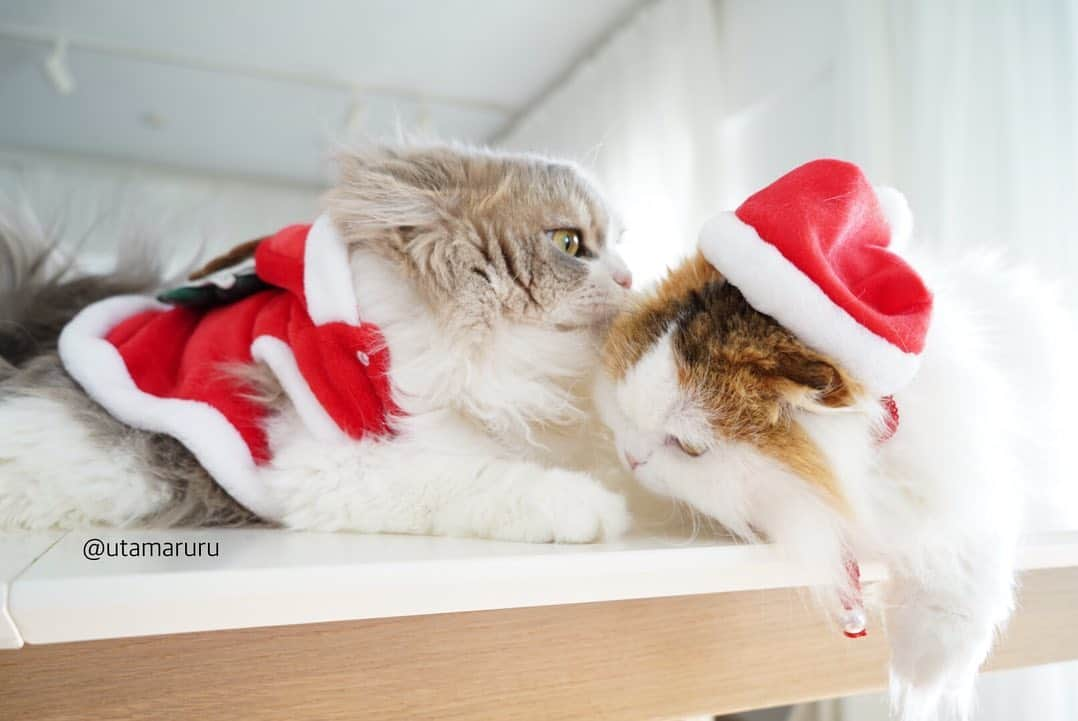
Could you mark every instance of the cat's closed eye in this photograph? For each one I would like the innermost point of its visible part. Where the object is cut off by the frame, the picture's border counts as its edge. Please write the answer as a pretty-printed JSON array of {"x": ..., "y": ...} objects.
[
  {"x": 567, "y": 240},
  {"x": 685, "y": 447}
]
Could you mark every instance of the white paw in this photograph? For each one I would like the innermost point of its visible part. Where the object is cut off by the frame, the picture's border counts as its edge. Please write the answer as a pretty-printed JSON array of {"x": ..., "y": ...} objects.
[
  {"x": 567, "y": 507},
  {"x": 937, "y": 647}
]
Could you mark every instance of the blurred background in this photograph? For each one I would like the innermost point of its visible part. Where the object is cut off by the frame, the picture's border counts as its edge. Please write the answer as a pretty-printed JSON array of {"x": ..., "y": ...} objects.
[
  {"x": 220, "y": 117},
  {"x": 217, "y": 121}
]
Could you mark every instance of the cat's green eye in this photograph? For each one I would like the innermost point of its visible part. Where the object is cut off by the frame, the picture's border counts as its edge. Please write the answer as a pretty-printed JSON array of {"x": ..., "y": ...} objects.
[{"x": 566, "y": 240}]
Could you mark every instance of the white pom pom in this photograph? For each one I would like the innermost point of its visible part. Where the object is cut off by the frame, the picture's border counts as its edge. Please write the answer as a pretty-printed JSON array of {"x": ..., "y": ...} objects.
[
  {"x": 897, "y": 211},
  {"x": 854, "y": 622}
]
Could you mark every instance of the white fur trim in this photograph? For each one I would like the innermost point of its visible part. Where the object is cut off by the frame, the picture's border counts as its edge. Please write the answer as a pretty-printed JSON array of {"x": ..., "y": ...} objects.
[
  {"x": 327, "y": 276},
  {"x": 896, "y": 209},
  {"x": 276, "y": 354},
  {"x": 775, "y": 286},
  {"x": 98, "y": 367}
]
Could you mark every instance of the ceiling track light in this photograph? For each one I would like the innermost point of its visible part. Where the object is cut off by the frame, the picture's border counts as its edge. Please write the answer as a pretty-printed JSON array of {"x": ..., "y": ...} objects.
[
  {"x": 57, "y": 69},
  {"x": 58, "y": 72},
  {"x": 424, "y": 121}
]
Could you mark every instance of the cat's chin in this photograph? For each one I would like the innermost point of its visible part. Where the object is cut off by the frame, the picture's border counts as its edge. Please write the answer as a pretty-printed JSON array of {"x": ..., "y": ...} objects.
[
  {"x": 596, "y": 328},
  {"x": 597, "y": 315}
]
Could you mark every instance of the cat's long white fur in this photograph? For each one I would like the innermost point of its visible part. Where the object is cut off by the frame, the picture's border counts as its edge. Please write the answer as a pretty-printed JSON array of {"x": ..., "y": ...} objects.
[
  {"x": 467, "y": 460},
  {"x": 477, "y": 453},
  {"x": 981, "y": 453}
]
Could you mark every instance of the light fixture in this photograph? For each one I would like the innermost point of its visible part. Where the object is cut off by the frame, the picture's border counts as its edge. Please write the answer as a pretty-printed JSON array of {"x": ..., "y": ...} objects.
[
  {"x": 57, "y": 70},
  {"x": 152, "y": 120},
  {"x": 355, "y": 122}
]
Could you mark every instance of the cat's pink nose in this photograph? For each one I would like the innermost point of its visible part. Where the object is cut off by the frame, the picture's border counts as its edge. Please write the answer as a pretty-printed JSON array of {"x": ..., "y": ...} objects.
[
  {"x": 623, "y": 278},
  {"x": 632, "y": 461}
]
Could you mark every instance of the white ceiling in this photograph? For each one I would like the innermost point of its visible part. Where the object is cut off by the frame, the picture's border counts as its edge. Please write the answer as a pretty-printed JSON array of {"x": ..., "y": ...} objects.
[{"x": 264, "y": 88}]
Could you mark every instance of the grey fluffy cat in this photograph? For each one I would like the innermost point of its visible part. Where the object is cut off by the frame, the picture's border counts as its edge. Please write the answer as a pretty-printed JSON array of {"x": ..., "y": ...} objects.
[{"x": 487, "y": 275}]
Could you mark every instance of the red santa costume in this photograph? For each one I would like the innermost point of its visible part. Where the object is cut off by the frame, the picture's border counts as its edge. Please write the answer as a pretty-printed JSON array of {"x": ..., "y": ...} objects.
[{"x": 165, "y": 369}]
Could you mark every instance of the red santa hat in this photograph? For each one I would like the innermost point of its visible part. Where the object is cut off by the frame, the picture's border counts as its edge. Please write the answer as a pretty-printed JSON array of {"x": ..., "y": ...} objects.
[{"x": 813, "y": 251}]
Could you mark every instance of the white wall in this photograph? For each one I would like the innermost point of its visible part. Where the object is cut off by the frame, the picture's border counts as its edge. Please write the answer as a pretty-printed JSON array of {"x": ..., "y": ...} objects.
[
  {"x": 779, "y": 90},
  {"x": 692, "y": 106},
  {"x": 184, "y": 209}
]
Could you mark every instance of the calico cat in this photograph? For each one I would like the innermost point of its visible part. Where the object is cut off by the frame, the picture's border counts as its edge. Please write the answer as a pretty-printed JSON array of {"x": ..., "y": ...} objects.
[
  {"x": 481, "y": 280},
  {"x": 723, "y": 406}
]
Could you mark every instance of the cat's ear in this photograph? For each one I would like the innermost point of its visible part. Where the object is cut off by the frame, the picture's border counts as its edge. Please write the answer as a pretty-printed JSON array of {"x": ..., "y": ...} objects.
[
  {"x": 814, "y": 384},
  {"x": 381, "y": 190},
  {"x": 399, "y": 200}
]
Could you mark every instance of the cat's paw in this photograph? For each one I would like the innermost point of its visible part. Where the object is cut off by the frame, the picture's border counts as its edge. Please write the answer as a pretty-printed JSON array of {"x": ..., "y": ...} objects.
[
  {"x": 941, "y": 635},
  {"x": 937, "y": 646},
  {"x": 567, "y": 507}
]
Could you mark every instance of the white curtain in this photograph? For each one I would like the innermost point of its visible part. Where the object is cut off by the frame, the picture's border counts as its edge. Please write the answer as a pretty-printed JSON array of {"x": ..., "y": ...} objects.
[
  {"x": 969, "y": 106},
  {"x": 641, "y": 114},
  {"x": 972, "y": 108}
]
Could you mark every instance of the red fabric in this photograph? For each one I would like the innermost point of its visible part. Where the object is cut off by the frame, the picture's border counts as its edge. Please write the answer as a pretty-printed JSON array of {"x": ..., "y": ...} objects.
[
  {"x": 824, "y": 218},
  {"x": 279, "y": 260},
  {"x": 891, "y": 423},
  {"x": 185, "y": 353}
]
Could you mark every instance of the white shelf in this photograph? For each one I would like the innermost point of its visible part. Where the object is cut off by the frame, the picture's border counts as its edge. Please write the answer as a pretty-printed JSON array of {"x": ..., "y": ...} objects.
[{"x": 271, "y": 577}]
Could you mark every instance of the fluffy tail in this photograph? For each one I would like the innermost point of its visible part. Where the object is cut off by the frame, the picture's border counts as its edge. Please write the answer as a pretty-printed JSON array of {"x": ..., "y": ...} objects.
[{"x": 41, "y": 288}]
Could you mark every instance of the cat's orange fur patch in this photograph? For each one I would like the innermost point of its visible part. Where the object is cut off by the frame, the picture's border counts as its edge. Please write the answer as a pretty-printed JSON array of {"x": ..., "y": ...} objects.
[
  {"x": 638, "y": 329},
  {"x": 746, "y": 371}
]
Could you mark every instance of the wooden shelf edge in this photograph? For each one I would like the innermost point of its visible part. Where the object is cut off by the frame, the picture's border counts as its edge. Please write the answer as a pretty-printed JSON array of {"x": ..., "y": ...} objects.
[{"x": 632, "y": 660}]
